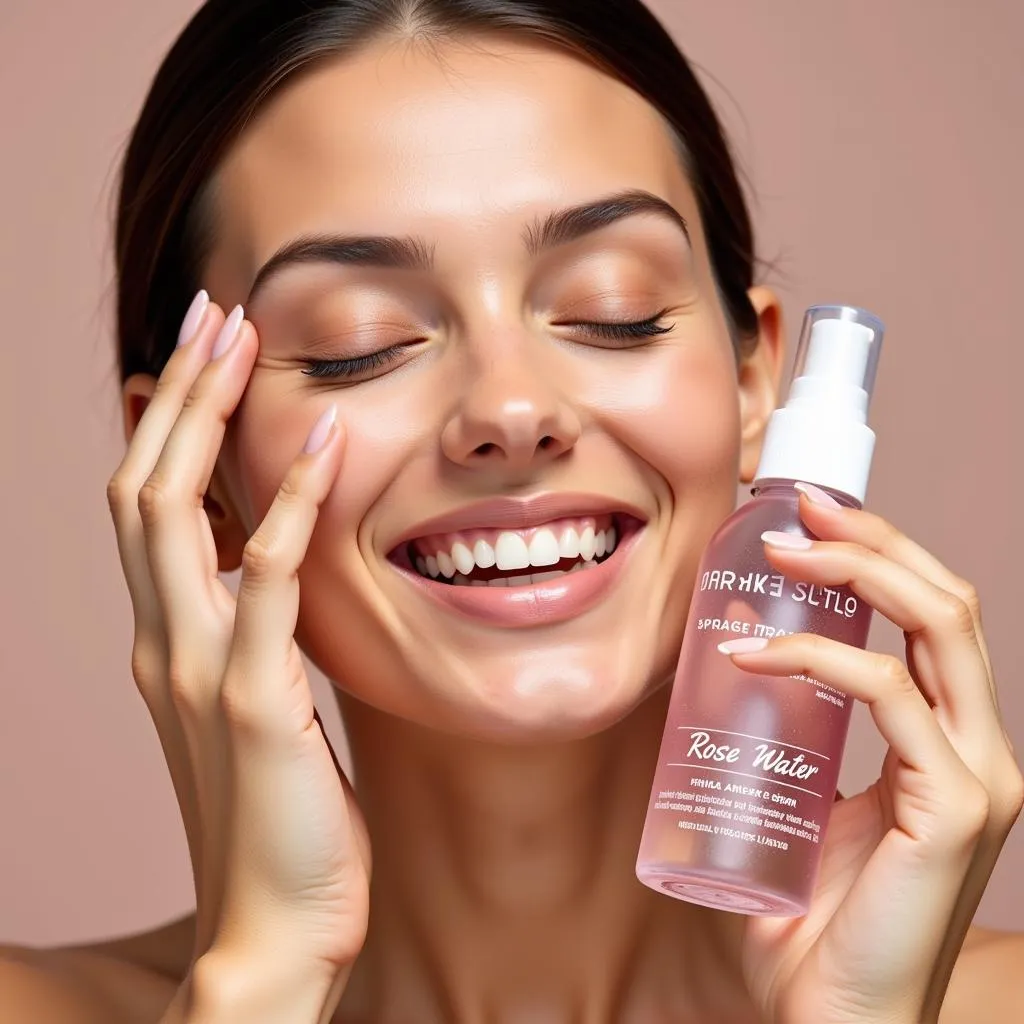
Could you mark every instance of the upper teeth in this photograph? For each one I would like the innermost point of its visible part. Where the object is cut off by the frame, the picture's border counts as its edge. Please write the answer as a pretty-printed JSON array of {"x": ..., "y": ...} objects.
[{"x": 511, "y": 551}]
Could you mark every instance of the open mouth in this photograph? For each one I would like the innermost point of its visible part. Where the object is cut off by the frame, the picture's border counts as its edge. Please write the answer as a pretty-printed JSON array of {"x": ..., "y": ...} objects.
[{"x": 520, "y": 557}]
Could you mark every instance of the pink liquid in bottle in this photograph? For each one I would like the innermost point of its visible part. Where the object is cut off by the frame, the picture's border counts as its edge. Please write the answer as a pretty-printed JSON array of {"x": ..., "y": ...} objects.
[{"x": 749, "y": 764}]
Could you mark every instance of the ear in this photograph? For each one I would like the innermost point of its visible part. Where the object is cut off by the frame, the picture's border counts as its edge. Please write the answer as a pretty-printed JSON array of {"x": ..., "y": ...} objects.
[
  {"x": 229, "y": 531},
  {"x": 759, "y": 375}
]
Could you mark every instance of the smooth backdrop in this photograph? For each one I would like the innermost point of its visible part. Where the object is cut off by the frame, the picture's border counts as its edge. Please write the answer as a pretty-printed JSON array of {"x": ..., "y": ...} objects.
[{"x": 883, "y": 143}]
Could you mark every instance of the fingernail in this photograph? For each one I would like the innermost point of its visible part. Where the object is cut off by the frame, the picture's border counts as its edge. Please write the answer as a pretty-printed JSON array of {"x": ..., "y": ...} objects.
[
  {"x": 321, "y": 430},
  {"x": 790, "y": 541},
  {"x": 194, "y": 317},
  {"x": 228, "y": 332},
  {"x": 745, "y": 645},
  {"x": 817, "y": 496}
]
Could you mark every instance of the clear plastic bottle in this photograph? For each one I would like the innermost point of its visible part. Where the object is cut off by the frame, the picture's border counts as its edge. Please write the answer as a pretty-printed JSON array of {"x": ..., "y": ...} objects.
[{"x": 749, "y": 764}]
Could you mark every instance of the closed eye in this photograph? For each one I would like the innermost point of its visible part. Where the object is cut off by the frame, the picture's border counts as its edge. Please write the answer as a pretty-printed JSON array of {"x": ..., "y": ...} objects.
[
  {"x": 624, "y": 330},
  {"x": 355, "y": 367}
]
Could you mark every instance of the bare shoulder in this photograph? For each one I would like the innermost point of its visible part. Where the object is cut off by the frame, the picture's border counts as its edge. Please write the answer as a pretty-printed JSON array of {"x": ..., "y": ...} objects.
[
  {"x": 988, "y": 980},
  {"x": 128, "y": 980}
]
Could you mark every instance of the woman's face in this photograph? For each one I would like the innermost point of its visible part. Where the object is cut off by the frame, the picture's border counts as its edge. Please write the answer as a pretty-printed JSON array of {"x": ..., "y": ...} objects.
[{"x": 526, "y": 197}]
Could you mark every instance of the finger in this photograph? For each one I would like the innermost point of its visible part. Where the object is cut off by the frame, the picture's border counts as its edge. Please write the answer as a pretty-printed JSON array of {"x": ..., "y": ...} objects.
[
  {"x": 150, "y": 648},
  {"x": 181, "y": 557},
  {"x": 268, "y": 592},
  {"x": 952, "y": 672},
  {"x": 275, "y": 735},
  {"x": 942, "y": 788},
  {"x": 830, "y": 521},
  {"x": 142, "y": 453}
]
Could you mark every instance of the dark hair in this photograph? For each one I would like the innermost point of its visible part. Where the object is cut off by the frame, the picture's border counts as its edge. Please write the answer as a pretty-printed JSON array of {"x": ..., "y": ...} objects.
[{"x": 234, "y": 54}]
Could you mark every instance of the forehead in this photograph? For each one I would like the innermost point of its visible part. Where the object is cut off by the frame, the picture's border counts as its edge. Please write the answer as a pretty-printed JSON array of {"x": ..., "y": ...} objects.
[{"x": 468, "y": 138}]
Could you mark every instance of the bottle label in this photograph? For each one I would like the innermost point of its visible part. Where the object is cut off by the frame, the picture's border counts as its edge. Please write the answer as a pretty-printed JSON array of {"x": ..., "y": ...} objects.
[
  {"x": 838, "y": 601},
  {"x": 742, "y": 782},
  {"x": 751, "y": 761}
]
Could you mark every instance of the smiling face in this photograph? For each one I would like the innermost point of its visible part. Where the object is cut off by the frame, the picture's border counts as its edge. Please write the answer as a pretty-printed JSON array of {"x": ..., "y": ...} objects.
[{"x": 489, "y": 217}]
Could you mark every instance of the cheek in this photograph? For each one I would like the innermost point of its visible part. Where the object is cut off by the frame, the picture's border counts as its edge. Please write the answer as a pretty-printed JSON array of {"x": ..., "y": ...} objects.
[
  {"x": 381, "y": 427},
  {"x": 268, "y": 436},
  {"x": 678, "y": 412}
]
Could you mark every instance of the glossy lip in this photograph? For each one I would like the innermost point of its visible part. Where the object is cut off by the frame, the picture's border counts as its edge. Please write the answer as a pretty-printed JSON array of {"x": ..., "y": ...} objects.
[
  {"x": 540, "y": 604},
  {"x": 517, "y": 514}
]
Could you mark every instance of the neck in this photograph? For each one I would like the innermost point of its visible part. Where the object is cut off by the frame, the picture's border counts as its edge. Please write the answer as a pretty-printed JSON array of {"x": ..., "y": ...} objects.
[{"x": 504, "y": 889}]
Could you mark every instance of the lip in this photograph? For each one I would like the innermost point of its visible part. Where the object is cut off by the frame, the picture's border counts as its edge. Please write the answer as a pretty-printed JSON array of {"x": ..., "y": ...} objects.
[
  {"x": 518, "y": 514},
  {"x": 540, "y": 604}
]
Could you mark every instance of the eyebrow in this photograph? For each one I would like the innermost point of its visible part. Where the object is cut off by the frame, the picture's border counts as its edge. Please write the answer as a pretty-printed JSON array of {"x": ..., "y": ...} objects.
[
  {"x": 410, "y": 253},
  {"x": 565, "y": 226},
  {"x": 346, "y": 250}
]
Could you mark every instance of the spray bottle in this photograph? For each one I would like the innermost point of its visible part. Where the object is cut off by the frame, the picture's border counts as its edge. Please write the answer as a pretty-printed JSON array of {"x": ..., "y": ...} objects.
[{"x": 748, "y": 767}]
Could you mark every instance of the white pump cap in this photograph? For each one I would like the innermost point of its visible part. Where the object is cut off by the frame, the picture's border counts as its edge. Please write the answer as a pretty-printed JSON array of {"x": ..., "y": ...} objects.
[{"x": 821, "y": 436}]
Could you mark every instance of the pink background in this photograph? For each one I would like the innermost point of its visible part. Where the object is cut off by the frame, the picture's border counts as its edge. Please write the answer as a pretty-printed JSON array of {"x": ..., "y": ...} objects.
[{"x": 883, "y": 140}]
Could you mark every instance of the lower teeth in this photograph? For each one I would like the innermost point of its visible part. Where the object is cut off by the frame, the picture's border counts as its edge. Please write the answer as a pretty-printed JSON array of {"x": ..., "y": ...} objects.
[
  {"x": 514, "y": 581},
  {"x": 458, "y": 580}
]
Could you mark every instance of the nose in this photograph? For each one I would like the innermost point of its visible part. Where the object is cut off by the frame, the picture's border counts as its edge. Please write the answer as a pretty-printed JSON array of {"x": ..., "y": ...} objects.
[{"x": 510, "y": 418}]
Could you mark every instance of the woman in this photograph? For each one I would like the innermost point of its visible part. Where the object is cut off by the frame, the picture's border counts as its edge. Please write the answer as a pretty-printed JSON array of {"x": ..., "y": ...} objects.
[{"x": 483, "y": 266}]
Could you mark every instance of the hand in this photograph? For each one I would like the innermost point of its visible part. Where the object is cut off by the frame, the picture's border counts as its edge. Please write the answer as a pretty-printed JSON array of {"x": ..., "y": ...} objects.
[
  {"x": 906, "y": 861},
  {"x": 280, "y": 853}
]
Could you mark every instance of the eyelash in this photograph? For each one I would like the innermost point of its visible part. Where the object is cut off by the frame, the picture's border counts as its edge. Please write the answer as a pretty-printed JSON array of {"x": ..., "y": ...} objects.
[
  {"x": 626, "y": 330},
  {"x": 352, "y": 367}
]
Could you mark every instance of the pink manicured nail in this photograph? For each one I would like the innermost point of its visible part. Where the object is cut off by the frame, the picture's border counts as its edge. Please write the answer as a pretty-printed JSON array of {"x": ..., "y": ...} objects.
[
  {"x": 745, "y": 645},
  {"x": 228, "y": 332},
  {"x": 790, "y": 541},
  {"x": 194, "y": 317},
  {"x": 322, "y": 427},
  {"x": 817, "y": 496}
]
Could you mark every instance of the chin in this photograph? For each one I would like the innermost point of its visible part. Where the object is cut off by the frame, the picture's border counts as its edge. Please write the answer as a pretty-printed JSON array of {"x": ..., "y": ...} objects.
[{"x": 543, "y": 695}]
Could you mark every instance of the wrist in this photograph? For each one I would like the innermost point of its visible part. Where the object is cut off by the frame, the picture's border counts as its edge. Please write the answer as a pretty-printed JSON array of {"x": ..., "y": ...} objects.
[{"x": 226, "y": 988}]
